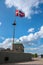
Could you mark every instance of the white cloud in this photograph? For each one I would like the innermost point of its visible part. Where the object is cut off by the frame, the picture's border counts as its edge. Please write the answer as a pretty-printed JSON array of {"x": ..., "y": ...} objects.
[
  {"x": 32, "y": 37},
  {"x": 32, "y": 49},
  {"x": 38, "y": 49},
  {"x": 41, "y": 46},
  {"x": 7, "y": 43},
  {"x": 39, "y": 34},
  {"x": 25, "y": 5},
  {"x": 0, "y": 23},
  {"x": 31, "y": 30},
  {"x": 35, "y": 48}
]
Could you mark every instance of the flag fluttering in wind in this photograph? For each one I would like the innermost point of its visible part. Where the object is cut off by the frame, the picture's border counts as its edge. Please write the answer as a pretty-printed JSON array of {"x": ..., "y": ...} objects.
[{"x": 19, "y": 13}]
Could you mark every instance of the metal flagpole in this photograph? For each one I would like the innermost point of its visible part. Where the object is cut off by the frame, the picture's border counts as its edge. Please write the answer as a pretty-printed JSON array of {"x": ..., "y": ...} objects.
[{"x": 14, "y": 24}]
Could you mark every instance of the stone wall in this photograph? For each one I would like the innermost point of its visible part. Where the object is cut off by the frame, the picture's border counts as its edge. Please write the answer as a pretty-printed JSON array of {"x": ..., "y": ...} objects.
[{"x": 10, "y": 57}]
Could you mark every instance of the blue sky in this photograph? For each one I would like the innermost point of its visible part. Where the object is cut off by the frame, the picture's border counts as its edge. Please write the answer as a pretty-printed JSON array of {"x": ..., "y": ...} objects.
[{"x": 29, "y": 29}]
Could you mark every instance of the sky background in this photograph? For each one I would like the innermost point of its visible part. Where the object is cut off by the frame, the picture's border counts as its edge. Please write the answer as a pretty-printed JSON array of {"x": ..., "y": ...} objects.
[{"x": 28, "y": 30}]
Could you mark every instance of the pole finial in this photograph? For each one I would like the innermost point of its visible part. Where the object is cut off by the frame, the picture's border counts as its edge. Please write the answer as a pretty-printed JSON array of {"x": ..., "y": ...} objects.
[{"x": 14, "y": 23}]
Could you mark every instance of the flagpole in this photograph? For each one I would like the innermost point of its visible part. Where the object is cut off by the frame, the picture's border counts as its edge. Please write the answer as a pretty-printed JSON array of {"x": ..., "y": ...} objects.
[{"x": 14, "y": 24}]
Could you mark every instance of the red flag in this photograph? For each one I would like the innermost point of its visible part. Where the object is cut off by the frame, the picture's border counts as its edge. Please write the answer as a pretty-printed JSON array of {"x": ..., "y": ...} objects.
[{"x": 19, "y": 13}]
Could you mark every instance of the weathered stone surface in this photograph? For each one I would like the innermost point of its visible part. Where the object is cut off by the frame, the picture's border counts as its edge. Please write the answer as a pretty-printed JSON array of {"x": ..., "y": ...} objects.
[{"x": 10, "y": 56}]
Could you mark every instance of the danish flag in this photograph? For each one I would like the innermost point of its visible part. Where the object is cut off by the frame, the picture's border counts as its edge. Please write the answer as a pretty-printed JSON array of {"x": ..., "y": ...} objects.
[{"x": 19, "y": 13}]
